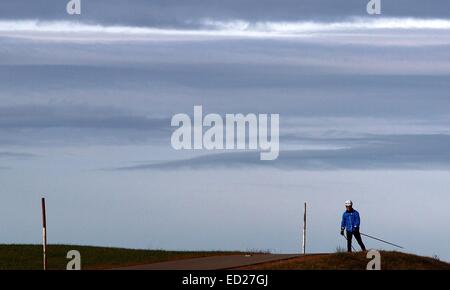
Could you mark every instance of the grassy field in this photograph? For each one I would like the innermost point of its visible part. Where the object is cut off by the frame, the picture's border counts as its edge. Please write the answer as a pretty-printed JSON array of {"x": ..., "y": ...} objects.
[
  {"x": 354, "y": 261},
  {"x": 29, "y": 257}
]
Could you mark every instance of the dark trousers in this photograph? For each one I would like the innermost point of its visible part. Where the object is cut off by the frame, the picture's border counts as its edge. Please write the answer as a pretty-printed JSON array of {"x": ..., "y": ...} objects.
[{"x": 358, "y": 239}]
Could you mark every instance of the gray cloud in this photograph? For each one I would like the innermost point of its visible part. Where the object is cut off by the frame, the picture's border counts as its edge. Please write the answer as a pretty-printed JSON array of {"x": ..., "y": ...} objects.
[
  {"x": 16, "y": 155},
  {"x": 170, "y": 13},
  {"x": 378, "y": 152},
  {"x": 13, "y": 156},
  {"x": 291, "y": 89},
  {"x": 76, "y": 116},
  {"x": 77, "y": 124}
]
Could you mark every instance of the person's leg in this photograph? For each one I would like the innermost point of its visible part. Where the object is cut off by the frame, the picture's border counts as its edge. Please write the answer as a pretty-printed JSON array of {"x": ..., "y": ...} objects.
[
  {"x": 359, "y": 240},
  {"x": 349, "y": 241}
]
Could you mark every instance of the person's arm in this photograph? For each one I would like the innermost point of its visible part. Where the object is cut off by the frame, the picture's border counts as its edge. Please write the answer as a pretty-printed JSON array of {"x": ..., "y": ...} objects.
[
  {"x": 343, "y": 224},
  {"x": 357, "y": 221}
]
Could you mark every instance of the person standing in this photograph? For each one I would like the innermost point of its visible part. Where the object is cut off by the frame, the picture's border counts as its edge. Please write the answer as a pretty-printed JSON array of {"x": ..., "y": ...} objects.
[{"x": 350, "y": 223}]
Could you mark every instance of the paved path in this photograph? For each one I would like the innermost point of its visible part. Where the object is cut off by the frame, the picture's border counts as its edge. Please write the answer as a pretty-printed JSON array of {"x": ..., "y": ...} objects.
[{"x": 213, "y": 263}]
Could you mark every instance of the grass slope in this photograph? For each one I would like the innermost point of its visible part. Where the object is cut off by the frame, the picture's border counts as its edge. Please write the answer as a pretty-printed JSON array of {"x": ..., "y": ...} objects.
[
  {"x": 354, "y": 261},
  {"x": 29, "y": 257}
]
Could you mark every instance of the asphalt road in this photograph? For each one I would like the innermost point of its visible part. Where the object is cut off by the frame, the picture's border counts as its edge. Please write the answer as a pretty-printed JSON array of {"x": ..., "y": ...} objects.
[{"x": 213, "y": 263}]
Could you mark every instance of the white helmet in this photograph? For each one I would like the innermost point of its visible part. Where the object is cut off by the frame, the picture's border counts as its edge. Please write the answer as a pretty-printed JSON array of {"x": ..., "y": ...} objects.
[{"x": 348, "y": 203}]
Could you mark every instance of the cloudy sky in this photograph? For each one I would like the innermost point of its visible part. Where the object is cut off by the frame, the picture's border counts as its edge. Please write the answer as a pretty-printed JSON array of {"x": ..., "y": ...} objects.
[{"x": 86, "y": 103}]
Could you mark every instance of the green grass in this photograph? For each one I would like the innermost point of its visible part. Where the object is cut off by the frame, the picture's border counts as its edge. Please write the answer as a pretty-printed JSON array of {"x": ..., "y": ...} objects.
[{"x": 29, "y": 257}]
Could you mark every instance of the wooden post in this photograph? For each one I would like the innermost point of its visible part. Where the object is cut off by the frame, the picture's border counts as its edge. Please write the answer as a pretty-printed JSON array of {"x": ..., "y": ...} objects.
[
  {"x": 44, "y": 234},
  {"x": 304, "y": 232}
]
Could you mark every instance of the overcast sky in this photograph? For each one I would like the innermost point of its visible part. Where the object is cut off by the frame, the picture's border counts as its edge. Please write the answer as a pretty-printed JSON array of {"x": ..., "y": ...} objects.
[
  {"x": 176, "y": 13},
  {"x": 86, "y": 103}
]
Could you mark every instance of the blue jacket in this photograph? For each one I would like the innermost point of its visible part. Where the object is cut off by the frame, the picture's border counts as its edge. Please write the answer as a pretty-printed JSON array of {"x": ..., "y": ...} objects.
[{"x": 350, "y": 221}]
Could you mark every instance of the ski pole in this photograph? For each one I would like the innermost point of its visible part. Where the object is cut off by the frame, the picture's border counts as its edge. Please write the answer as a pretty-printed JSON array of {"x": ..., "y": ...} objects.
[{"x": 369, "y": 236}]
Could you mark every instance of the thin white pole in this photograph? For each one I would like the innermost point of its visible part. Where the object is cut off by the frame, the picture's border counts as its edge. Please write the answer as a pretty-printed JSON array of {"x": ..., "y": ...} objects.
[
  {"x": 44, "y": 234},
  {"x": 304, "y": 232}
]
